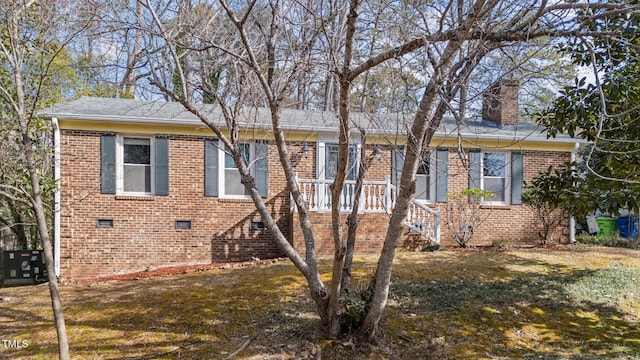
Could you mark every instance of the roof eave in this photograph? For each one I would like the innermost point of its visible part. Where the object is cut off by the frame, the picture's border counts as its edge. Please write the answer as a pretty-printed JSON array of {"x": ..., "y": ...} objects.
[{"x": 267, "y": 127}]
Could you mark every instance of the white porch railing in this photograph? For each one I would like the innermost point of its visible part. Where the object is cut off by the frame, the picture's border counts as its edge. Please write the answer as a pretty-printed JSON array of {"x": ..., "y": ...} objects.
[{"x": 376, "y": 197}]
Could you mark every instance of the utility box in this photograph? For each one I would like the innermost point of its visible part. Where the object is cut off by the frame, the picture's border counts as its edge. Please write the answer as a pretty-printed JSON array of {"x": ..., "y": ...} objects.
[{"x": 24, "y": 267}]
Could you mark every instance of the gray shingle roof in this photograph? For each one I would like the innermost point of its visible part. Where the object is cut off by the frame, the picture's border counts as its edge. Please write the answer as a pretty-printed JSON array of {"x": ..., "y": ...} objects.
[{"x": 172, "y": 113}]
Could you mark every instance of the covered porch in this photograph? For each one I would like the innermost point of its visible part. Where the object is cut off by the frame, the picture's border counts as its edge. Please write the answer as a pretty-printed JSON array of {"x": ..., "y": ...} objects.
[{"x": 377, "y": 197}]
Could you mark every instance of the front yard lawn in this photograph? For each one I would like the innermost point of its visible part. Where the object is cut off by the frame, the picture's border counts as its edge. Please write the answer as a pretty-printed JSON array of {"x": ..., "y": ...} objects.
[{"x": 580, "y": 303}]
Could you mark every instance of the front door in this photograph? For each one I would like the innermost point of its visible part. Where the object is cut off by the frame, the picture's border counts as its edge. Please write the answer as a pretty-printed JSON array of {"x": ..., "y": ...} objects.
[{"x": 423, "y": 180}]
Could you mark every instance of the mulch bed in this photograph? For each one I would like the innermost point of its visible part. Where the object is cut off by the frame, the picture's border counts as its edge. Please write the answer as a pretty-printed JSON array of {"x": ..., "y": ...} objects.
[
  {"x": 184, "y": 269},
  {"x": 174, "y": 270},
  {"x": 488, "y": 248}
]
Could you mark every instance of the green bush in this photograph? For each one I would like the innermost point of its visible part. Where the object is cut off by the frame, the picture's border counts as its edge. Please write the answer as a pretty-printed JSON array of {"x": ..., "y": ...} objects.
[{"x": 547, "y": 196}]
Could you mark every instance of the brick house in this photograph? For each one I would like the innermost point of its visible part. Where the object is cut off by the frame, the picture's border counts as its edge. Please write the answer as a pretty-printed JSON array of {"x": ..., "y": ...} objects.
[{"x": 145, "y": 184}]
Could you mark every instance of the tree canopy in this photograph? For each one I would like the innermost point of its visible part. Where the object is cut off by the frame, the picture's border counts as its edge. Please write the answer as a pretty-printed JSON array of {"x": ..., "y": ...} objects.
[{"x": 606, "y": 113}]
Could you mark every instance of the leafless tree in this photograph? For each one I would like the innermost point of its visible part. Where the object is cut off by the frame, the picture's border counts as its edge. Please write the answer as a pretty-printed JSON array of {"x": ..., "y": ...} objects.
[
  {"x": 36, "y": 67},
  {"x": 256, "y": 54}
]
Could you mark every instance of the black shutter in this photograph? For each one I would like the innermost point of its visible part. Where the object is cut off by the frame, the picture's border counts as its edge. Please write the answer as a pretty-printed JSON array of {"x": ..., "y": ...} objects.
[
  {"x": 108, "y": 164},
  {"x": 262, "y": 168},
  {"x": 517, "y": 177},
  {"x": 211, "y": 167},
  {"x": 397, "y": 162},
  {"x": 442, "y": 175},
  {"x": 475, "y": 159},
  {"x": 161, "y": 166}
]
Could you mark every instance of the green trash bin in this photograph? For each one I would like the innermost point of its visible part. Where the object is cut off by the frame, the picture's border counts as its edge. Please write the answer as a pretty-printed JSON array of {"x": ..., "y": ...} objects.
[{"x": 607, "y": 226}]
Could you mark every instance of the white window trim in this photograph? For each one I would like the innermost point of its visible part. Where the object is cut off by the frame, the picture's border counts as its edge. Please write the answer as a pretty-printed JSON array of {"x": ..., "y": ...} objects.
[
  {"x": 120, "y": 164},
  {"x": 222, "y": 192},
  {"x": 507, "y": 178}
]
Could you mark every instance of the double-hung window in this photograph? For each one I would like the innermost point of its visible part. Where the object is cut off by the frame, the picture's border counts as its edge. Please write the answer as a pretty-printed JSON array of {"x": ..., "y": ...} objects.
[
  {"x": 222, "y": 176},
  {"x": 136, "y": 158},
  {"x": 134, "y": 165},
  {"x": 500, "y": 173},
  {"x": 495, "y": 174},
  {"x": 232, "y": 185}
]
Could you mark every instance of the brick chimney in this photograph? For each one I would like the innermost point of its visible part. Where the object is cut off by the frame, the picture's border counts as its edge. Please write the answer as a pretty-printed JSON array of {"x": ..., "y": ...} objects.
[{"x": 500, "y": 103}]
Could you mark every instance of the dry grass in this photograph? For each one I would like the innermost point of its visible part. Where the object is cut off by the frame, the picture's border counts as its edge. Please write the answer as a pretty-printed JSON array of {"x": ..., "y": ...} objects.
[{"x": 540, "y": 304}]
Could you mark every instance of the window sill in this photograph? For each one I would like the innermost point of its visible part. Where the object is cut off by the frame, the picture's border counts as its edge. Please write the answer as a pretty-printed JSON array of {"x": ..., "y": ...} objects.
[
  {"x": 135, "y": 197},
  {"x": 496, "y": 206},
  {"x": 427, "y": 203},
  {"x": 235, "y": 199}
]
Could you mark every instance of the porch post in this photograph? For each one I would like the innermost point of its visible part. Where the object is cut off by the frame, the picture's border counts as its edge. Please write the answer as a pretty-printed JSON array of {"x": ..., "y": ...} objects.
[
  {"x": 292, "y": 204},
  {"x": 387, "y": 194},
  {"x": 436, "y": 231}
]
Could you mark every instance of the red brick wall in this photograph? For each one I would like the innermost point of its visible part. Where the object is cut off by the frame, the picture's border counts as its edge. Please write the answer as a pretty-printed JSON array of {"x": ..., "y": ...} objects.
[
  {"x": 500, "y": 103},
  {"x": 513, "y": 224},
  {"x": 144, "y": 234}
]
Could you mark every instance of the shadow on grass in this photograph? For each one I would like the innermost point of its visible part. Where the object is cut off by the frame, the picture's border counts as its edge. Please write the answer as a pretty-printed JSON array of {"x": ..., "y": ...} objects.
[
  {"x": 196, "y": 316},
  {"x": 564, "y": 313},
  {"x": 442, "y": 305}
]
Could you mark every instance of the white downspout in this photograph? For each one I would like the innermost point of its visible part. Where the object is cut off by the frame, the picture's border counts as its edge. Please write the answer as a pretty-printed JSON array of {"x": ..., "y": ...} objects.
[
  {"x": 56, "y": 195},
  {"x": 572, "y": 219}
]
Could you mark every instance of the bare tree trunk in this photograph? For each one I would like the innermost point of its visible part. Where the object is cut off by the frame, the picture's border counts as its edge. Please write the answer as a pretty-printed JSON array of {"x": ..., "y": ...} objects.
[
  {"x": 36, "y": 191},
  {"x": 339, "y": 251},
  {"x": 352, "y": 219},
  {"x": 38, "y": 207},
  {"x": 18, "y": 228},
  {"x": 426, "y": 120},
  {"x": 328, "y": 94},
  {"x": 382, "y": 276},
  {"x": 424, "y": 125},
  {"x": 41, "y": 219},
  {"x": 129, "y": 78},
  {"x": 189, "y": 69}
]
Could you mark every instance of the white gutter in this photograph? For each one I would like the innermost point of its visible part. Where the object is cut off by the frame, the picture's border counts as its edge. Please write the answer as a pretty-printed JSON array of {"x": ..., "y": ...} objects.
[
  {"x": 572, "y": 219},
  {"x": 56, "y": 195},
  {"x": 174, "y": 121}
]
